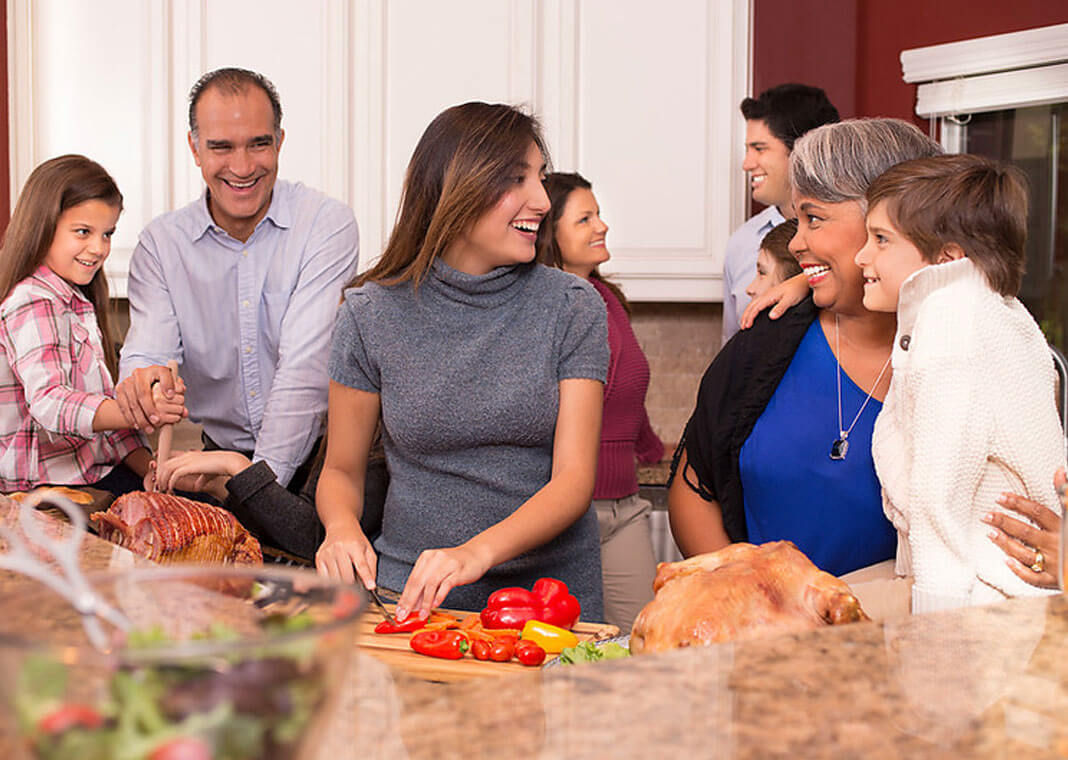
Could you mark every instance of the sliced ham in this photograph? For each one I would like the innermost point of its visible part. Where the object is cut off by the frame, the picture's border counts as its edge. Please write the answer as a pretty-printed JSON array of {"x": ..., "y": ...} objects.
[{"x": 168, "y": 528}]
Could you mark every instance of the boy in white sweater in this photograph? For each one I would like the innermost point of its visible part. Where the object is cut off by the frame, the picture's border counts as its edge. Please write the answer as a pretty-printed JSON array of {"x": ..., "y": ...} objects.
[{"x": 970, "y": 413}]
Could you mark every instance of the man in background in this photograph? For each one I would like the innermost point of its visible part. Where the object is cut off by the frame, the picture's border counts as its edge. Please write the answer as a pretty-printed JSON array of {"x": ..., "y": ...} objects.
[
  {"x": 773, "y": 121},
  {"x": 240, "y": 287}
]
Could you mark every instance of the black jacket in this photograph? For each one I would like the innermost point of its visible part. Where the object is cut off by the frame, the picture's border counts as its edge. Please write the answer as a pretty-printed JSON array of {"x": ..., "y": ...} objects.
[{"x": 734, "y": 391}]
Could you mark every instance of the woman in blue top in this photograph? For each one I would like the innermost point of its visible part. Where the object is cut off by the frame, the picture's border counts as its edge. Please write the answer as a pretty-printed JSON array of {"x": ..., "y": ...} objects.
[{"x": 779, "y": 445}]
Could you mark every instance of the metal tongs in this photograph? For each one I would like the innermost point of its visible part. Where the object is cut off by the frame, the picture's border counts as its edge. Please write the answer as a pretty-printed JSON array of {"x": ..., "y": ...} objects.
[{"x": 67, "y": 579}]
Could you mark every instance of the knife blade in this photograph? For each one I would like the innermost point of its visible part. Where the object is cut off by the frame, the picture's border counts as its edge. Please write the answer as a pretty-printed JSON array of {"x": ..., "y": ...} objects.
[{"x": 381, "y": 607}]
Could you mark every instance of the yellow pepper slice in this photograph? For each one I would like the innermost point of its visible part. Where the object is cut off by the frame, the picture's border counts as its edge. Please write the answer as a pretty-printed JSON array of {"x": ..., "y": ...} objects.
[{"x": 551, "y": 638}]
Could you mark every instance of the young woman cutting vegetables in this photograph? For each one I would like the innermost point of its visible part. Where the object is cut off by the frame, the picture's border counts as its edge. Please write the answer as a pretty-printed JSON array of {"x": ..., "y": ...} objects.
[{"x": 487, "y": 370}]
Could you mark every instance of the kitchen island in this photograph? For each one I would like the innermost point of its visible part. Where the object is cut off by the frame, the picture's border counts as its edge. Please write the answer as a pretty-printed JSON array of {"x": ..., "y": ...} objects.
[{"x": 987, "y": 682}]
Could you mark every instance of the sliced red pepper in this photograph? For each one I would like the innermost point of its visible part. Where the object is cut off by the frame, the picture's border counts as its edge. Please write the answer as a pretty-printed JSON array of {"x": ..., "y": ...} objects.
[
  {"x": 528, "y": 653},
  {"x": 449, "y": 645},
  {"x": 66, "y": 717},
  {"x": 411, "y": 623},
  {"x": 480, "y": 649}
]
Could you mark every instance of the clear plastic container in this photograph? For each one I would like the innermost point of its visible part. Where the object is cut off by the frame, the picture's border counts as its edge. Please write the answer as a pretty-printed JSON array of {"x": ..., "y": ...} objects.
[{"x": 221, "y": 662}]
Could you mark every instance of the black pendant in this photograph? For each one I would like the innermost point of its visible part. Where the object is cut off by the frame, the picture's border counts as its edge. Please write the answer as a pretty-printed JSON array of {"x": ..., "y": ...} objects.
[{"x": 839, "y": 448}]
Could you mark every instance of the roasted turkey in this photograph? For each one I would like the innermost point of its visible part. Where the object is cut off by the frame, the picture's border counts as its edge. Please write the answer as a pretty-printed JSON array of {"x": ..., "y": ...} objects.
[
  {"x": 740, "y": 592},
  {"x": 168, "y": 528}
]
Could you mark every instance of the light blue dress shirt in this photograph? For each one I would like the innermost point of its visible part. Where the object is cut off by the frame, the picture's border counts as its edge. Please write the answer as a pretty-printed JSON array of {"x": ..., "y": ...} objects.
[
  {"x": 739, "y": 265},
  {"x": 250, "y": 322}
]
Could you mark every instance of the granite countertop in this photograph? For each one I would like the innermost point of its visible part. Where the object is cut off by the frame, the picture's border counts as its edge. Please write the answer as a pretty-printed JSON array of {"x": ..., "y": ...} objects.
[{"x": 987, "y": 682}]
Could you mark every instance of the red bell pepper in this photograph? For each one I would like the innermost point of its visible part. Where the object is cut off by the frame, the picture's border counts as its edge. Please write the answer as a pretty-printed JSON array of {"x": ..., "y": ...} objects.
[
  {"x": 550, "y": 601},
  {"x": 559, "y": 606},
  {"x": 449, "y": 645},
  {"x": 411, "y": 623}
]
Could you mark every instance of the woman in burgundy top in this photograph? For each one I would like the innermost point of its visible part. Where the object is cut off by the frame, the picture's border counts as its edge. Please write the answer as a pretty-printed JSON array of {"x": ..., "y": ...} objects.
[{"x": 572, "y": 238}]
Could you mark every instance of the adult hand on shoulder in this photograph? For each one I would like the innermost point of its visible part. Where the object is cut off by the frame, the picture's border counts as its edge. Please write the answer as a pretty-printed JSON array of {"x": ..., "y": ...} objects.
[
  {"x": 135, "y": 398},
  {"x": 1023, "y": 543},
  {"x": 781, "y": 297},
  {"x": 436, "y": 573},
  {"x": 346, "y": 554}
]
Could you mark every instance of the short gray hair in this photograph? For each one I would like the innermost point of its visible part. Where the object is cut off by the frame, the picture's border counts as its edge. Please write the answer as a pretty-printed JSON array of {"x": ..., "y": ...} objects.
[{"x": 836, "y": 162}]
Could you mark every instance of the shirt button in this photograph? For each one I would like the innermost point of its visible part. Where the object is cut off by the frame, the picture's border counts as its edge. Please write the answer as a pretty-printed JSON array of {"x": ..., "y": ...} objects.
[
  {"x": 245, "y": 254},
  {"x": 245, "y": 303},
  {"x": 248, "y": 349},
  {"x": 904, "y": 342},
  {"x": 252, "y": 394}
]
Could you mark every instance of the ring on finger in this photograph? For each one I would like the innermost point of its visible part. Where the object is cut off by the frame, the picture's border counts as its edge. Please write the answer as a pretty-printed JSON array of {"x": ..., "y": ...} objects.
[{"x": 1040, "y": 562}]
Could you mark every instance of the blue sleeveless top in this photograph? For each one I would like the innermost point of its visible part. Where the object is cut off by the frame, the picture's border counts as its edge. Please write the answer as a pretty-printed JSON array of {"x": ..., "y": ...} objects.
[{"x": 792, "y": 489}]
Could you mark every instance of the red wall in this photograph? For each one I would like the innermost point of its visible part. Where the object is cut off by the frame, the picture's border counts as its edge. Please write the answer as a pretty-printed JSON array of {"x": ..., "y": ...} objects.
[{"x": 851, "y": 48}]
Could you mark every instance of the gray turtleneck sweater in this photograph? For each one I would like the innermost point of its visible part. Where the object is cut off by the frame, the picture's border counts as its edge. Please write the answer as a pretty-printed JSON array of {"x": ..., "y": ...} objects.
[{"x": 468, "y": 370}]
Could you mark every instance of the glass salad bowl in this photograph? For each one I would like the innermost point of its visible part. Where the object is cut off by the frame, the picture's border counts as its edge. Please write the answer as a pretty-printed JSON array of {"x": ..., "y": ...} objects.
[{"x": 218, "y": 662}]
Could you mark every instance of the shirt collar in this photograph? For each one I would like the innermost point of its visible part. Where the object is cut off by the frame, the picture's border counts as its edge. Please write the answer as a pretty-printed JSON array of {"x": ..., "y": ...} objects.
[
  {"x": 71, "y": 296},
  {"x": 772, "y": 218},
  {"x": 279, "y": 213}
]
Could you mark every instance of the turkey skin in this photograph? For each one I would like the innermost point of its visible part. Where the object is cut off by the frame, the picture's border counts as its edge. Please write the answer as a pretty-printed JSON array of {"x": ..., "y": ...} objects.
[
  {"x": 740, "y": 592},
  {"x": 168, "y": 528}
]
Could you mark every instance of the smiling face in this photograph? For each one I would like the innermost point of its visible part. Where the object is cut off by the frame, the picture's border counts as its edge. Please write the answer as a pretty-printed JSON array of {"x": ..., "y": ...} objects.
[
  {"x": 886, "y": 260},
  {"x": 827, "y": 240},
  {"x": 580, "y": 233},
  {"x": 237, "y": 152},
  {"x": 767, "y": 274},
  {"x": 767, "y": 159},
  {"x": 82, "y": 241},
  {"x": 506, "y": 233}
]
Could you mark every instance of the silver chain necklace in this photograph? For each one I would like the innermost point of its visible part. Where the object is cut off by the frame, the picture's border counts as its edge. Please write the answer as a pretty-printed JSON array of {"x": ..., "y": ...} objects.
[{"x": 840, "y": 447}]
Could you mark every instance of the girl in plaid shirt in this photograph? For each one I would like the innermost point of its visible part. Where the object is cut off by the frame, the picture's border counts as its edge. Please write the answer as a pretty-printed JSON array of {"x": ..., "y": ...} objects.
[{"x": 59, "y": 421}]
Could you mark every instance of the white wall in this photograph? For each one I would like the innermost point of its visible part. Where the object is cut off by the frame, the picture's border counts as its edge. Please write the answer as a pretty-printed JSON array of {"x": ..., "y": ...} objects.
[{"x": 640, "y": 98}]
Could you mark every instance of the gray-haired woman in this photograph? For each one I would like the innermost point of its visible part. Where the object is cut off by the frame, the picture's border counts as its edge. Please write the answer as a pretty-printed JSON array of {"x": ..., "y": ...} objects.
[
  {"x": 779, "y": 445},
  {"x": 1031, "y": 544}
]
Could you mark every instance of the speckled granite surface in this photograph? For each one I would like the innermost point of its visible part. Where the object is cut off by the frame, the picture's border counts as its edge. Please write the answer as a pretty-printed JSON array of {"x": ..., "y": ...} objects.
[{"x": 987, "y": 682}]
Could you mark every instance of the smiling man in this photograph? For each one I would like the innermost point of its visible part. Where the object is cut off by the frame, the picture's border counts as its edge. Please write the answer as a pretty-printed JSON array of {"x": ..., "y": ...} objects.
[
  {"x": 773, "y": 121},
  {"x": 240, "y": 287}
]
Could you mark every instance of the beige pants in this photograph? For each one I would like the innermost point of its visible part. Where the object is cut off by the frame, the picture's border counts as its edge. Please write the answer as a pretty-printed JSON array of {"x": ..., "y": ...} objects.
[{"x": 628, "y": 565}]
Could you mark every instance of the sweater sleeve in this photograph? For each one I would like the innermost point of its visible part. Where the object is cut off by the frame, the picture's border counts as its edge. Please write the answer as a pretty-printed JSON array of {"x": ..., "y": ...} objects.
[
  {"x": 584, "y": 337},
  {"x": 950, "y": 429},
  {"x": 351, "y": 364}
]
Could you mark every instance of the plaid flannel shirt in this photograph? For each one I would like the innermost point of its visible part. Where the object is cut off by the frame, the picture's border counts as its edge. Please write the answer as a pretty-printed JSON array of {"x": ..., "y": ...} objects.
[{"x": 53, "y": 378}]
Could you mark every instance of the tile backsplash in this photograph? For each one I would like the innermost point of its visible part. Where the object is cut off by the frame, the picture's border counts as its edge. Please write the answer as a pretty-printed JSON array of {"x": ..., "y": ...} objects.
[{"x": 679, "y": 339}]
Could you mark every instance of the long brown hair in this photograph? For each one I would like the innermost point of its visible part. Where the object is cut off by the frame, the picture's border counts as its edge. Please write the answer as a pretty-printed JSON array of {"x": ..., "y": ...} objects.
[
  {"x": 53, "y": 187},
  {"x": 461, "y": 167},
  {"x": 559, "y": 186}
]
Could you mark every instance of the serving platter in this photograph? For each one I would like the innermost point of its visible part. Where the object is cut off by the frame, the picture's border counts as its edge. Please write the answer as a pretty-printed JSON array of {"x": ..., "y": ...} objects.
[{"x": 394, "y": 651}]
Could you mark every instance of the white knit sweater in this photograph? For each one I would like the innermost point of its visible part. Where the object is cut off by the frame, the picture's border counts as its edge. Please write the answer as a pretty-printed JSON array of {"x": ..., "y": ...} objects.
[{"x": 970, "y": 414}]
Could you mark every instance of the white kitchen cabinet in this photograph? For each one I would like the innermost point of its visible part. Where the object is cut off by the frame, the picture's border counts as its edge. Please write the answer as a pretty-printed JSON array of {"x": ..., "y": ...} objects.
[{"x": 641, "y": 98}]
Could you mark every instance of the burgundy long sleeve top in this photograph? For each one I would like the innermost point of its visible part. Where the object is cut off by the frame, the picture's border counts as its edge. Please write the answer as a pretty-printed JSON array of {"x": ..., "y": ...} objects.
[{"x": 626, "y": 435}]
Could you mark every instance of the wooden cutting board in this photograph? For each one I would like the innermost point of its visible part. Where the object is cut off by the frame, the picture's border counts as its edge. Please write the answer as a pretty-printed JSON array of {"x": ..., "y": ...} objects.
[{"x": 394, "y": 651}]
